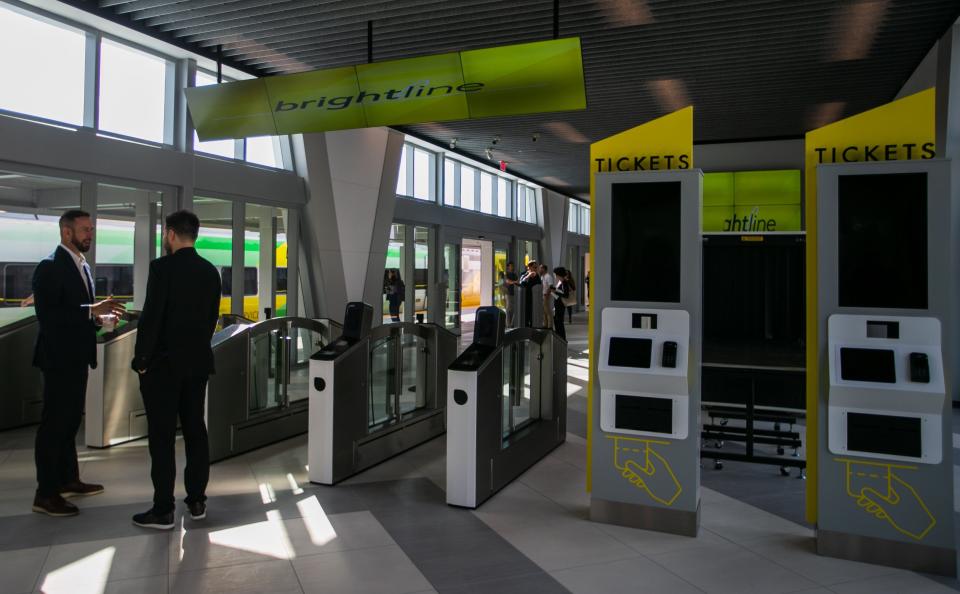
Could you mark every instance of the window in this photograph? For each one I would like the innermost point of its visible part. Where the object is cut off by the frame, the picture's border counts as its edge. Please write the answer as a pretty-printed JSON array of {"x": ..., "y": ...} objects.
[
  {"x": 223, "y": 148},
  {"x": 133, "y": 90},
  {"x": 264, "y": 150},
  {"x": 417, "y": 172},
  {"x": 526, "y": 204},
  {"x": 449, "y": 182},
  {"x": 43, "y": 68},
  {"x": 572, "y": 212},
  {"x": 486, "y": 193},
  {"x": 467, "y": 183},
  {"x": 503, "y": 197},
  {"x": 585, "y": 220}
]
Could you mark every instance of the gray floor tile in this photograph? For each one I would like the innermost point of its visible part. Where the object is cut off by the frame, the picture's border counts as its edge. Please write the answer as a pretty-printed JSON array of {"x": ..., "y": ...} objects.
[
  {"x": 540, "y": 583},
  {"x": 799, "y": 554},
  {"x": 19, "y": 569},
  {"x": 649, "y": 542},
  {"x": 193, "y": 550},
  {"x": 730, "y": 569},
  {"x": 900, "y": 583},
  {"x": 385, "y": 570},
  {"x": 638, "y": 576},
  {"x": 275, "y": 577},
  {"x": 149, "y": 585},
  {"x": 131, "y": 557},
  {"x": 313, "y": 535}
]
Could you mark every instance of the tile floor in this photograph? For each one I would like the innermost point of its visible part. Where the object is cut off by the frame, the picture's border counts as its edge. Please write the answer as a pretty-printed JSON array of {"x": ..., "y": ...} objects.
[{"x": 388, "y": 530}]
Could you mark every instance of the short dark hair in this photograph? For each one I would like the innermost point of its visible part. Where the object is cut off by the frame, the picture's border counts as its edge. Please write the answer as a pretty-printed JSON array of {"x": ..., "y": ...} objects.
[
  {"x": 184, "y": 223},
  {"x": 68, "y": 218}
]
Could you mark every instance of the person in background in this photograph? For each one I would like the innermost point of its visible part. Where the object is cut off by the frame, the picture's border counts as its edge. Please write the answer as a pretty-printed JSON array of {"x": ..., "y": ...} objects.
[
  {"x": 394, "y": 289},
  {"x": 570, "y": 300},
  {"x": 549, "y": 286},
  {"x": 174, "y": 360},
  {"x": 561, "y": 291},
  {"x": 510, "y": 282},
  {"x": 528, "y": 281},
  {"x": 65, "y": 350}
]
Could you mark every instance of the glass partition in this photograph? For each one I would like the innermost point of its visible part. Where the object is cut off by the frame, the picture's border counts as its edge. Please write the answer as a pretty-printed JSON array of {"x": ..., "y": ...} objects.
[
  {"x": 421, "y": 271},
  {"x": 414, "y": 379},
  {"x": 500, "y": 273},
  {"x": 127, "y": 239},
  {"x": 394, "y": 291},
  {"x": 383, "y": 372},
  {"x": 215, "y": 243},
  {"x": 519, "y": 402},
  {"x": 302, "y": 343},
  {"x": 450, "y": 286},
  {"x": 266, "y": 371}
]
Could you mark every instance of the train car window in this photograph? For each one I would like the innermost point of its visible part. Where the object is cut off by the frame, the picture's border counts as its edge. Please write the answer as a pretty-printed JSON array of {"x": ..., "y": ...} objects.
[
  {"x": 249, "y": 281},
  {"x": 281, "y": 280},
  {"x": 17, "y": 280}
]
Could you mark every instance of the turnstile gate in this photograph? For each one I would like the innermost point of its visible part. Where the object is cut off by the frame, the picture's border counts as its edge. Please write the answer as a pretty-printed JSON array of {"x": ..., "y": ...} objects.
[
  {"x": 506, "y": 407},
  {"x": 375, "y": 393},
  {"x": 114, "y": 407},
  {"x": 259, "y": 393},
  {"x": 21, "y": 392}
]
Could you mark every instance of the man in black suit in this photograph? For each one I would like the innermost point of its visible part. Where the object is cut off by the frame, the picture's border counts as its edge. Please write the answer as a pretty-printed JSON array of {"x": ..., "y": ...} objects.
[
  {"x": 174, "y": 359},
  {"x": 66, "y": 348}
]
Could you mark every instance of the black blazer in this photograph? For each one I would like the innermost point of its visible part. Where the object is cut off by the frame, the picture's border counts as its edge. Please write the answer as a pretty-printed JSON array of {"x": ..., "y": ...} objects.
[
  {"x": 68, "y": 335},
  {"x": 179, "y": 315}
]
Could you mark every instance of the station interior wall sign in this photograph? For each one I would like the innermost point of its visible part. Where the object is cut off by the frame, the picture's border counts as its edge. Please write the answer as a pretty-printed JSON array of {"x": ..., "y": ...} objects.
[
  {"x": 660, "y": 144},
  {"x": 901, "y": 130},
  {"x": 539, "y": 77},
  {"x": 752, "y": 202}
]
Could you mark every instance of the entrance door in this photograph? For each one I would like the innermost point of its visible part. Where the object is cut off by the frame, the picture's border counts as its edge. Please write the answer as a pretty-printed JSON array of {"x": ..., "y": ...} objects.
[
  {"x": 477, "y": 278},
  {"x": 449, "y": 287}
]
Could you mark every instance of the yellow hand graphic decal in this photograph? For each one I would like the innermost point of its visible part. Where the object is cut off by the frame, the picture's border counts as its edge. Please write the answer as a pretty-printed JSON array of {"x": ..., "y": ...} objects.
[
  {"x": 881, "y": 492},
  {"x": 644, "y": 467}
]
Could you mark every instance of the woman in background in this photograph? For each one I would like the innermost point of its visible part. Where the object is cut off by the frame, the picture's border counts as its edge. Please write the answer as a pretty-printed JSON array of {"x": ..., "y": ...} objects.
[
  {"x": 561, "y": 292},
  {"x": 394, "y": 289}
]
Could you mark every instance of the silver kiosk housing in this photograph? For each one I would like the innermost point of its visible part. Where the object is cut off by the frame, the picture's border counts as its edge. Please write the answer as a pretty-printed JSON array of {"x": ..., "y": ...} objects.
[
  {"x": 886, "y": 250},
  {"x": 646, "y": 303}
]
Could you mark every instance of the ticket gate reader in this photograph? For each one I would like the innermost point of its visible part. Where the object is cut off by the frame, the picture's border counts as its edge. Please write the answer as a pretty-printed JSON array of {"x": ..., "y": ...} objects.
[
  {"x": 21, "y": 396},
  {"x": 645, "y": 296},
  {"x": 114, "y": 406},
  {"x": 375, "y": 393},
  {"x": 886, "y": 302},
  {"x": 506, "y": 407}
]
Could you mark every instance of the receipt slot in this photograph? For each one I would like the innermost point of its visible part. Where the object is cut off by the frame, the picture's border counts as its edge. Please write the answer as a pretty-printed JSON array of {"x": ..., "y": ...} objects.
[
  {"x": 645, "y": 381},
  {"x": 885, "y": 315}
]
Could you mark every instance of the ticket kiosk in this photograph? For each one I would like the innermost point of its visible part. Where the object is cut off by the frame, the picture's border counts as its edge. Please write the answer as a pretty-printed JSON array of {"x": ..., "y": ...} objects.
[
  {"x": 885, "y": 302},
  {"x": 646, "y": 295}
]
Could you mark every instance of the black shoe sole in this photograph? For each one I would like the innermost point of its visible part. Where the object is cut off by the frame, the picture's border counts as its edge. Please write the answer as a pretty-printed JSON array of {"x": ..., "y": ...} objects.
[
  {"x": 67, "y": 494},
  {"x": 41, "y": 510},
  {"x": 155, "y": 526}
]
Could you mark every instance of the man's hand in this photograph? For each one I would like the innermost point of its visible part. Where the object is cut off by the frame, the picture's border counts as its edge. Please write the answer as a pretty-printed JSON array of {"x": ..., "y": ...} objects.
[{"x": 108, "y": 307}]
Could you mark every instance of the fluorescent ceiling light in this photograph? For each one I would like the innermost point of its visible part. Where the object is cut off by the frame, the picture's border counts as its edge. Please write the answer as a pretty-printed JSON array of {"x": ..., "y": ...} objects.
[{"x": 626, "y": 13}]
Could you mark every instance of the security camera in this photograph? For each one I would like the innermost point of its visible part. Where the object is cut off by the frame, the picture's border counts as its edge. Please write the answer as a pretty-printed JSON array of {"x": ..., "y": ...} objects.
[
  {"x": 489, "y": 152},
  {"x": 496, "y": 139},
  {"x": 453, "y": 144},
  {"x": 536, "y": 137}
]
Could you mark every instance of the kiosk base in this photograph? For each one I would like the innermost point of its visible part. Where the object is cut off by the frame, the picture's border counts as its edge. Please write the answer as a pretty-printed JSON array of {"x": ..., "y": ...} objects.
[
  {"x": 880, "y": 551},
  {"x": 645, "y": 517}
]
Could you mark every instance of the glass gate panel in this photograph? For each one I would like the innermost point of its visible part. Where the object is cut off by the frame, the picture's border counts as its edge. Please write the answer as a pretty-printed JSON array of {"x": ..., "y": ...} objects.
[
  {"x": 521, "y": 361},
  {"x": 499, "y": 275},
  {"x": 266, "y": 370},
  {"x": 413, "y": 383},
  {"x": 383, "y": 381},
  {"x": 450, "y": 286},
  {"x": 302, "y": 343}
]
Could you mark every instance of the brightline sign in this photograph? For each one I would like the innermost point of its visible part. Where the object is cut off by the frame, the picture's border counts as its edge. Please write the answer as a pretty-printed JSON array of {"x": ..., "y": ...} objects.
[{"x": 538, "y": 77}]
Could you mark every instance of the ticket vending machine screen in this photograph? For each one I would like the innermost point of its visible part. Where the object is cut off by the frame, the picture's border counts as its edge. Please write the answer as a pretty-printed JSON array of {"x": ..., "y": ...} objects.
[
  {"x": 645, "y": 242},
  {"x": 882, "y": 240}
]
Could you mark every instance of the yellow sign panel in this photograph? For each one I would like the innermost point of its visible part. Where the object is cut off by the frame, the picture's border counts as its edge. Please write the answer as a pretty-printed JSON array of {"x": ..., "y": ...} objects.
[
  {"x": 663, "y": 143},
  {"x": 898, "y": 131}
]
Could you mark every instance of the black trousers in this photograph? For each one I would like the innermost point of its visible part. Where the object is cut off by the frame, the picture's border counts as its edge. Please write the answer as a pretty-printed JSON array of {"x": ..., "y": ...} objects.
[
  {"x": 55, "y": 450},
  {"x": 165, "y": 398},
  {"x": 558, "y": 309}
]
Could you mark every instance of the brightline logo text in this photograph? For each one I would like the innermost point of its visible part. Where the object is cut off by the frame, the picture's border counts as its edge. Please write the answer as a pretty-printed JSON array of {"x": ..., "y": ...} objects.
[{"x": 411, "y": 91}]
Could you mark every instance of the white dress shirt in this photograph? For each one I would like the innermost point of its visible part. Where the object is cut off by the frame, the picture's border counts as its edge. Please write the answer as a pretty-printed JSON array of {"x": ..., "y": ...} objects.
[
  {"x": 548, "y": 282},
  {"x": 83, "y": 268}
]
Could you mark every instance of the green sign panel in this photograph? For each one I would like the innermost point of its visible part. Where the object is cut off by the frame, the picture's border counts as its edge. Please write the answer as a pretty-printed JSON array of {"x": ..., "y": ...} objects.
[
  {"x": 538, "y": 77},
  {"x": 751, "y": 201}
]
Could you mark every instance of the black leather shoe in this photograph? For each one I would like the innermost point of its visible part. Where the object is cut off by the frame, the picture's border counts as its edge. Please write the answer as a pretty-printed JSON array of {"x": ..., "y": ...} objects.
[
  {"x": 80, "y": 488},
  {"x": 198, "y": 510},
  {"x": 151, "y": 519},
  {"x": 55, "y": 506}
]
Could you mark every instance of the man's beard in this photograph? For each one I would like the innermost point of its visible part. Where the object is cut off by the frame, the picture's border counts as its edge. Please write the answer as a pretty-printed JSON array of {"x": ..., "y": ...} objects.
[{"x": 82, "y": 246}]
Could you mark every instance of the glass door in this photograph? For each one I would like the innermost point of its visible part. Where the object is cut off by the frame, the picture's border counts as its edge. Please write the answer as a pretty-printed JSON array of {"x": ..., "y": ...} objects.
[{"x": 449, "y": 287}]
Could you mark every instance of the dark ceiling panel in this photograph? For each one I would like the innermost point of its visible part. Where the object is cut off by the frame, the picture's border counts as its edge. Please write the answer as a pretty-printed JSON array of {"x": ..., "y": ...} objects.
[{"x": 751, "y": 68}]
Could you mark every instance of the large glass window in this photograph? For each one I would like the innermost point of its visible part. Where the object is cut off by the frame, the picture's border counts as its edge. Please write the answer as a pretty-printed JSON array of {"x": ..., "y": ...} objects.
[
  {"x": 132, "y": 92},
  {"x": 223, "y": 148},
  {"x": 215, "y": 243},
  {"x": 526, "y": 204},
  {"x": 42, "y": 69},
  {"x": 572, "y": 212},
  {"x": 467, "y": 185},
  {"x": 417, "y": 173},
  {"x": 402, "y": 173},
  {"x": 585, "y": 220},
  {"x": 503, "y": 197},
  {"x": 422, "y": 180},
  {"x": 449, "y": 182},
  {"x": 264, "y": 150},
  {"x": 486, "y": 193},
  {"x": 127, "y": 239}
]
